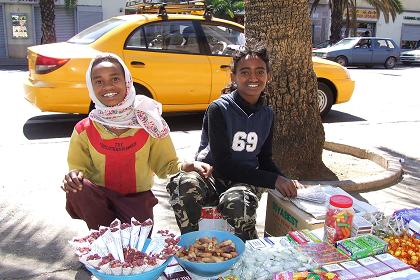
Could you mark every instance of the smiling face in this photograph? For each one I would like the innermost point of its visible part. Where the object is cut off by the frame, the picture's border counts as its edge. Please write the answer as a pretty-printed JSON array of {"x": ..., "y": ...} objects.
[
  {"x": 108, "y": 83},
  {"x": 251, "y": 77}
]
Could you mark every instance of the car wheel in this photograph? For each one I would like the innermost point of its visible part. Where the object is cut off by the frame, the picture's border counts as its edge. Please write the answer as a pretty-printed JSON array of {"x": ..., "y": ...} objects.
[
  {"x": 342, "y": 60},
  {"x": 325, "y": 98},
  {"x": 390, "y": 62}
]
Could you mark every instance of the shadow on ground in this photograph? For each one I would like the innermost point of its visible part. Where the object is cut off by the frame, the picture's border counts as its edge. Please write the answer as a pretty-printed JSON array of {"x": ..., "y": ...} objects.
[
  {"x": 337, "y": 116},
  {"x": 61, "y": 125},
  {"x": 30, "y": 249},
  {"x": 407, "y": 190}
]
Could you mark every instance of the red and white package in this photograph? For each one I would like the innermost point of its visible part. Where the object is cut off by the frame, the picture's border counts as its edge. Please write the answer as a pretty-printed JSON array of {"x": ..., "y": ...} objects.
[
  {"x": 116, "y": 236},
  {"x": 99, "y": 247},
  {"x": 125, "y": 234},
  {"x": 145, "y": 229},
  {"x": 135, "y": 231},
  {"x": 91, "y": 260},
  {"x": 377, "y": 267}
]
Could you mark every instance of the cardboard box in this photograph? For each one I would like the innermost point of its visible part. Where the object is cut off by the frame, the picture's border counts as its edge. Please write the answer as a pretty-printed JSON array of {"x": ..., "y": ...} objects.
[{"x": 283, "y": 216}]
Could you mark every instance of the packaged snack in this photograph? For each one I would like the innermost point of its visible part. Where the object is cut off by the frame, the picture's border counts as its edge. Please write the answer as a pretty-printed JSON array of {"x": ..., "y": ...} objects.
[
  {"x": 358, "y": 270},
  {"x": 392, "y": 262},
  {"x": 377, "y": 267},
  {"x": 362, "y": 246},
  {"x": 341, "y": 272},
  {"x": 338, "y": 219},
  {"x": 323, "y": 253}
]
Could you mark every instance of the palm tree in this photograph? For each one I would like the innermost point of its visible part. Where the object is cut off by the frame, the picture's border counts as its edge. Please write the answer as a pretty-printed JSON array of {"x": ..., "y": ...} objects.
[
  {"x": 47, "y": 8},
  {"x": 284, "y": 26},
  {"x": 226, "y": 8},
  {"x": 339, "y": 7}
]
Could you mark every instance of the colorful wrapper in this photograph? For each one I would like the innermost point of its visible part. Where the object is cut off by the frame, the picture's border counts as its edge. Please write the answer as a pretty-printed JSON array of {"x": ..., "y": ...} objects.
[
  {"x": 115, "y": 223},
  {"x": 135, "y": 231},
  {"x": 83, "y": 260},
  {"x": 109, "y": 241},
  {"x": 92, "y": 262}
]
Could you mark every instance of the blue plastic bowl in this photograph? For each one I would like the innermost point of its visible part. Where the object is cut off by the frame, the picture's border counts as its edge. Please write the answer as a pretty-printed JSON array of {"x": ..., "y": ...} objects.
[
  {"x": 148, "y": 275},
  {"x": 210, "y": 269}
]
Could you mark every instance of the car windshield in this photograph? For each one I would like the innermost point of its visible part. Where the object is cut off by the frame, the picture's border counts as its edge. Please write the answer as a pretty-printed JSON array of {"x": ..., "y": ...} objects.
[
  {"x": 345, "y": 43},
  {"x": 94, "y": 32}
]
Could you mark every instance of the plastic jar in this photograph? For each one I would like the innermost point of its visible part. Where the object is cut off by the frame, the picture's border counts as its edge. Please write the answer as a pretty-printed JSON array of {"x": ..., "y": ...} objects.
[{"x": 339, "y": 218}]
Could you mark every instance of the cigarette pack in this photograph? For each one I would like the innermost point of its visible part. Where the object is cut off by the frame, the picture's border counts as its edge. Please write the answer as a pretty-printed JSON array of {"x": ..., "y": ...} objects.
[
  {"x": 392, "y": 262},
  {"x": 343, "y": 273},
  {"x": 377, "y": 267},
  {"x": 357, "y": 269}
]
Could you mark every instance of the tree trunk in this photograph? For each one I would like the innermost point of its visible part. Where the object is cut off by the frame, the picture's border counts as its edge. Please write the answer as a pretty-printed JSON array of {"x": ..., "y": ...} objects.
[
  {"x": 336, "y": 20},
  {"x": 298, "y": 140},
  {"x": 47, "y": 8}
]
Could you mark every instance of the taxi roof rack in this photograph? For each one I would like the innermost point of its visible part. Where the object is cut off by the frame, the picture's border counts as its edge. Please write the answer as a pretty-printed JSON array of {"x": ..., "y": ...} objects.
[{"x": 163, "y": 8}]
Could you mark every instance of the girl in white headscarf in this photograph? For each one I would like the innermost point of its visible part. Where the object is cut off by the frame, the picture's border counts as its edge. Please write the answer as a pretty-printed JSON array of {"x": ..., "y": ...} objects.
[{"x": 115, "y": 152}]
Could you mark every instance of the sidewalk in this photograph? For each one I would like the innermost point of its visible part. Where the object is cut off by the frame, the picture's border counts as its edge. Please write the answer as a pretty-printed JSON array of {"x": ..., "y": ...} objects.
[{"x": 35, "y": 227}]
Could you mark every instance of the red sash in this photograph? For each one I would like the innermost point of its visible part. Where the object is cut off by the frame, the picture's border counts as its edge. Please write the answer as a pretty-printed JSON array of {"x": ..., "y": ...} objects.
[{"x": 120, "y": 157}]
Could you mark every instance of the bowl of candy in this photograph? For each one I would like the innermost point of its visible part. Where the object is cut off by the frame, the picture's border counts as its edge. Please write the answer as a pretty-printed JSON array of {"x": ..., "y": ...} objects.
[
  {"x": 123, "y": 251},
  {"x": 209, "y": 252}
]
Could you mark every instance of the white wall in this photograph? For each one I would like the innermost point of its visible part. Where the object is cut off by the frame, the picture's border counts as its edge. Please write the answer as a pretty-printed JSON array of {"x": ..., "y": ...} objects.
[
  {"x": 393, "y": 29},
  {"x": 112, "y": 8}
]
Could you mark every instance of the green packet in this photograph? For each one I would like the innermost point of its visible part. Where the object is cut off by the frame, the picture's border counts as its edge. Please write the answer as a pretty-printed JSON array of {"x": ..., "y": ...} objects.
[{"x": 362, "y": 246}]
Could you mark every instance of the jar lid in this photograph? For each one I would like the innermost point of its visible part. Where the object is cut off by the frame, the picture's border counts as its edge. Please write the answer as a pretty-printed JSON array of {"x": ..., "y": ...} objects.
[{"x": 341, "y": 201}]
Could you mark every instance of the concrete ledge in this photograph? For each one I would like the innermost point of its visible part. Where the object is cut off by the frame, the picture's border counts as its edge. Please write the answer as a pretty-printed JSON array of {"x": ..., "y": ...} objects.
[{"x": 391, "y": 175}]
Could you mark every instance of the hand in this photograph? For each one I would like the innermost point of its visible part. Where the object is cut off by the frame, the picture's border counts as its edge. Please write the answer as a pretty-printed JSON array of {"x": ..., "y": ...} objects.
[
  {"x": 73, "y": 181},
  {"x": 287, "y": 187},
  {"x": 204, "y": 169}
]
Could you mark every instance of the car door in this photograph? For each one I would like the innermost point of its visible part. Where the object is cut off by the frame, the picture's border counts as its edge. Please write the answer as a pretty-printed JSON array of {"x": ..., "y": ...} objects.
[
  {"x": 177, "y": 74},
  {"x": 362, "y": 52},
  {"x": 221, "y": 42},
  {"x": 381, "y": 51}
]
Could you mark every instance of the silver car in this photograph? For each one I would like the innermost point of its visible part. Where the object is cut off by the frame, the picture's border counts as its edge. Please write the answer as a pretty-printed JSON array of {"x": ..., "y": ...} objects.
[
  {"x": 367, "y": 51},
  {"x": 412, "y": 56}
]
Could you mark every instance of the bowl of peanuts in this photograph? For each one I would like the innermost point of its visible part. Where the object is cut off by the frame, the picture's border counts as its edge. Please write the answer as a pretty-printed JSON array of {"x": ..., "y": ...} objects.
[{"x": 209, "y": 252}]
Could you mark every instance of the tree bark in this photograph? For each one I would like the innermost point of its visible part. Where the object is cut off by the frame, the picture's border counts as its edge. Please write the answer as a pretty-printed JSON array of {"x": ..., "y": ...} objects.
[
  {"x": 47, "y": 8},
  {"x": 298, "y": 140},
  {"x": 337, "y": 13}
]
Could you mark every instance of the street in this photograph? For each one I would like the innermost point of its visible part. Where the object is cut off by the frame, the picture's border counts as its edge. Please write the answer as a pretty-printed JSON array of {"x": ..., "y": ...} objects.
[{"x": 382, "y": 114}]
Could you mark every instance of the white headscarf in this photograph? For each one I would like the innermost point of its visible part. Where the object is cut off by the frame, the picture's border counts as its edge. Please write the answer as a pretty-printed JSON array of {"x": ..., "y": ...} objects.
[{"x": 135, "y": 111}]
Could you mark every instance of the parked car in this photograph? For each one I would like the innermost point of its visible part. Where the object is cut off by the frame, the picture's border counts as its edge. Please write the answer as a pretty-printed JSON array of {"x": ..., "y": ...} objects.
[
  {"x": 182, "y": 61},
  {"x": 367, "y": 51},
  {"x": 324, "y": 44},
  {"x": 409, "y": 57}
]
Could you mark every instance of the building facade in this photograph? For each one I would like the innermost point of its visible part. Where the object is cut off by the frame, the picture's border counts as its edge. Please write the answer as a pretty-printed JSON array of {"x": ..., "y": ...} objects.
[{"x": 20, "y": 23}]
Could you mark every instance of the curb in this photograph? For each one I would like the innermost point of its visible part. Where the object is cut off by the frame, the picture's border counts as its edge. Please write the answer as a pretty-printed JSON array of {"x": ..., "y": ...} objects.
[{"x": 391, "y": 175}]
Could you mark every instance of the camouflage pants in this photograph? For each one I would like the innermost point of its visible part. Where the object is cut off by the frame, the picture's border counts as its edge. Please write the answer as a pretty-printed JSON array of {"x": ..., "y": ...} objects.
[{"x": 189, "y": 192}]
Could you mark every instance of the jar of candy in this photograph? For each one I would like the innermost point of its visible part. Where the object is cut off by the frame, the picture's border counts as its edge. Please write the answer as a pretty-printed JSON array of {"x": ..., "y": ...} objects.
[{"x": 339, "y": 218}]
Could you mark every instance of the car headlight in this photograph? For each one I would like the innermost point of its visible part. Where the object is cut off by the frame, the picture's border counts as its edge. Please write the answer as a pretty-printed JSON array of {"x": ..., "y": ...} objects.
[{"x": 324, "y": 55}]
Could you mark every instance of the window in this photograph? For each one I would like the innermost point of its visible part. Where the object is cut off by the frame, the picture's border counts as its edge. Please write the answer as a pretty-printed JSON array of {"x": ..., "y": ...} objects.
[
  {"x": 390, "y": 44},
  {"x": 94, "y": 32},
  {"x": 381, "y": 44},
  {"x": 165, "y": 36},
  {"x": 223, "y": 40}
]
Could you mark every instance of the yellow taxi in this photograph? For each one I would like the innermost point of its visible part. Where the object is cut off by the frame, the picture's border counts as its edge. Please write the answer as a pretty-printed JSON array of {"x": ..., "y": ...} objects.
[{"x": 181, "y": 60}]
